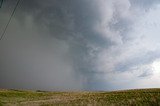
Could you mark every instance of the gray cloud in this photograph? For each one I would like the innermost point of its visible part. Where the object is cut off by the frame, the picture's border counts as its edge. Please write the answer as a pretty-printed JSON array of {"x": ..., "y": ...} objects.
[
  {"x": 72, "y": 44},
  {"x": 144, "y": 3}
]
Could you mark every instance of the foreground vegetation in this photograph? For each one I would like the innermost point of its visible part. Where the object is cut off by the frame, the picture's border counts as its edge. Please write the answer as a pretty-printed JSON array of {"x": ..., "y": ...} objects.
[{"x": 145, "y": 97}]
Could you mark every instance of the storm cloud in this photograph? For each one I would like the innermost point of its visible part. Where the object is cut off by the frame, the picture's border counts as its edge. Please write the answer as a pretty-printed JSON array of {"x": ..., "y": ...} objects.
[{"x": 79, "y": 44}]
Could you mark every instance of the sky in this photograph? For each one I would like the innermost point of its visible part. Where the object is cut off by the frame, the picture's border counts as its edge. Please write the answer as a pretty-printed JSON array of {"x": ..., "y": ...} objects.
[{"x": 80, "y": 44}]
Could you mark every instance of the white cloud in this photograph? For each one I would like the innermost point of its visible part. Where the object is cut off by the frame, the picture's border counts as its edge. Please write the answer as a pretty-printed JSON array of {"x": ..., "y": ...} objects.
[{"x": 126, "y": 62}]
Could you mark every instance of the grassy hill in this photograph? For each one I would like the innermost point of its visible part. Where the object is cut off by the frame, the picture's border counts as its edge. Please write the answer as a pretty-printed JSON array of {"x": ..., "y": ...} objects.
[{"x": 146, "y": 97}]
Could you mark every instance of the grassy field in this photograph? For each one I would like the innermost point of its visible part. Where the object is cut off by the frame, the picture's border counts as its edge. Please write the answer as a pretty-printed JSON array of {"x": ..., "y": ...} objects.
[{"x": 145, "y": 97}]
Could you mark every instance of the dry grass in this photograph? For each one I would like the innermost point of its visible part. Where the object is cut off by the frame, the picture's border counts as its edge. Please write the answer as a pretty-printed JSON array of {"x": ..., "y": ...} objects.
[{"x": 146, "y": 97}]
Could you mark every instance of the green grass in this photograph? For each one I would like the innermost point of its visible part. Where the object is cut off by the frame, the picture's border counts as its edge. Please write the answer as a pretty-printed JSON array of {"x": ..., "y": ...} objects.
[{"x": 145, "y": 97}]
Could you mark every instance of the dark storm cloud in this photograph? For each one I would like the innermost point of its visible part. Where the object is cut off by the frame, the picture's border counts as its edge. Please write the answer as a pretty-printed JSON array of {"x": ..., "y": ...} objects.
[
  {"x": 70, "y": 22},
  {"x": 67, "y": 19},
  {"x": 73, "y": 22},
  {"x": 72, "y": 43}
]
